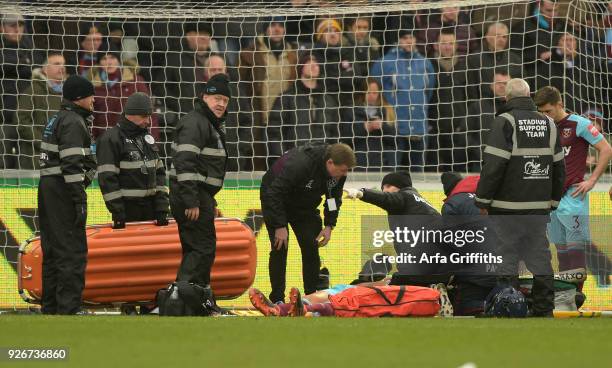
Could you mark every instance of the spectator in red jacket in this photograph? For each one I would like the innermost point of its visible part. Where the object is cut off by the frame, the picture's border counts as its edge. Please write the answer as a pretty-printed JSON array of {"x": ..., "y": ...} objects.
[{"x": 114, "y": 82}]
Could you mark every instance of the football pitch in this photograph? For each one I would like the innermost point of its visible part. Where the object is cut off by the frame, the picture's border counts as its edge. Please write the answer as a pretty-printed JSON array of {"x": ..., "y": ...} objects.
[{"x": 139, "y": 341}]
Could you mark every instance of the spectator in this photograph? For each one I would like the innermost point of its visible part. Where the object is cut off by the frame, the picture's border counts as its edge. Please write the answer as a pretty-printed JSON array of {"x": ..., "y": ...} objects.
[
  {"x": 303, "y": 113},
  {"x": 448, "y": 105},
  {"x": 16, "y": 59},
  {"x": 533, "y": 35},
  {"x": 300, "y": 28},
  {"x": 480, "y": 116},
  {"x": 407, "y": 79},
  {"x": 335, "y": 57},
  {"x": 114, "y": 82},
  {"x": 120, "y": 37},
  {"x": 36, "y": 105},
  {"x": 370, "y": 125},
  {"x": 269, "y": 66},
  {"x": 364, "y": 48},
  {"x": 569, "y": 73},
  {"x": 390, "y": 24},
  {"x": 495, "y": 54},
  {"x": 90, "y": 44},
  {"x": 185, "y": 68},
  {"x": 451, "y": 17},
  {"x": 238, "y": 139}
]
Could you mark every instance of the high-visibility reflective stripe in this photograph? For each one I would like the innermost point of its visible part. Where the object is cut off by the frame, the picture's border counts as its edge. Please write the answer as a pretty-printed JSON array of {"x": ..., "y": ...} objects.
[
  {"x": 160, "y": 164},
  {"x": 138, "y": 193},
  {"x": 538, "y": 205},
  {"x": 218, "y": 152},
  {"x": 498, "y": 152},
  {"x": 136, "y": 164},
  {"x": 554, "y": 203},
  {"x": 213, "y": 152},
  {"x": 532, "y": 152},
  {"x": 186, "y": 148},
  {"x": 112, "y": 195},
  {"x": 553, "y": 135},
  {"x": 49, "y": 147},
  {"x": 558, "y": 156},
  {"x": 74, "y": 178},
  {"x": 197, "y": 177},
  {"x": 51, "y": 171},
  {"x": 172, "y": 171},
  {"x": 189, "y": 176},
  {"x": 72, "y": 152},
  {"x": 161, "y": 188},
  {"x": 108, "y": 168},
  {"x": 482, "y": 200}
]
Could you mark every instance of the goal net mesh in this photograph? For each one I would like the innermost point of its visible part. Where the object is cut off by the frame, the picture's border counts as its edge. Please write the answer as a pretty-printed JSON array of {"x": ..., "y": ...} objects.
[{"x": 409, "y": 85}]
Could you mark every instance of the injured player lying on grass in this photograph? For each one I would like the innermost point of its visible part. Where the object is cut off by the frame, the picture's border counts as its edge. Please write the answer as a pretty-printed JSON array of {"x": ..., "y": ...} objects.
[{"x": 375, "y": 299}]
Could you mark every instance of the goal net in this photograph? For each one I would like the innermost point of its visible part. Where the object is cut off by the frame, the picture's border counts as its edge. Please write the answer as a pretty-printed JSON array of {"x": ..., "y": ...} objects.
[{"x": 409, "y": 85}]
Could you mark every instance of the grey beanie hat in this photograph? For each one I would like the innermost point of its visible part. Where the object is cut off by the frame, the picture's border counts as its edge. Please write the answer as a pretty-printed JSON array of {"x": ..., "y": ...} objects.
[{"x": 138, "y": 104}]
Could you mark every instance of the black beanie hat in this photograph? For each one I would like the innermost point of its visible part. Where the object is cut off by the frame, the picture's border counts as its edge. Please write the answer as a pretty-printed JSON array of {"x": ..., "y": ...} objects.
[
  {"x": 218, "y": 84},
  {"x": 400, "y": 179},
  {"x": 449, "y": 181},
  {"x": 76, "y": 88},
  {"x": 138, "y": 104}
]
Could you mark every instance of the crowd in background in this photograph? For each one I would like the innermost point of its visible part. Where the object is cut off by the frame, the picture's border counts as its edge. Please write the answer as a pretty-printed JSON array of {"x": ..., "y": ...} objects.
[{"x": 413, "y": 90}]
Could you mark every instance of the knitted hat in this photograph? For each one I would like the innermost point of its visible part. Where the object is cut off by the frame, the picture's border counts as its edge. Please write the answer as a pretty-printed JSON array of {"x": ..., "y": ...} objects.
[
  {"x": 138, "y": 104},
  {"x": 449, "y": 181},
  {"x": 218, "y": 84},
  {"x": 325, "y": 24},
  {"x": 399, "y": 179},
  {"x": 76, "y": 88}
]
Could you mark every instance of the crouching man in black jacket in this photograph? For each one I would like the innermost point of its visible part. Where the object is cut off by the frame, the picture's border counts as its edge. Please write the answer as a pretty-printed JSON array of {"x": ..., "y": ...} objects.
[
  {"x": 131, "y": 174},
  {"x": 198, "y": 169},
  {"x": 523, "y": 174},
  {"x": 405, "y": 207},
  {"x": 290, "y": 194}
]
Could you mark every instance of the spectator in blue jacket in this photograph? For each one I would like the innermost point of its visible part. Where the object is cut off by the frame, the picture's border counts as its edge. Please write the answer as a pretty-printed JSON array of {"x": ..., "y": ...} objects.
[{"x": 407, "y": 80}]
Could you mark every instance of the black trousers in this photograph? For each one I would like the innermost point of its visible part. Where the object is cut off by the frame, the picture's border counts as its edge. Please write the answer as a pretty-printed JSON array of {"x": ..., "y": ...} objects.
[
  {"x": 142, "y": 209},
  {"x": 64, "y": 248},
  {"x": 523, "y": 238},
  {"x": 198, "y": 239},
  {"x": 306, "y": 227}
]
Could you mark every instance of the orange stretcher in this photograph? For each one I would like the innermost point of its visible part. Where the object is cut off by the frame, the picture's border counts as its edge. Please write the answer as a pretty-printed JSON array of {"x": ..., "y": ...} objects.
[{"x": 128, "y": 266}]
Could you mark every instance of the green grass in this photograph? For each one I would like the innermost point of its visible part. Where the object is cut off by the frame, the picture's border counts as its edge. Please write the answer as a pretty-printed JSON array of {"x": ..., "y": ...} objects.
[{"x": 312, "y": 342}]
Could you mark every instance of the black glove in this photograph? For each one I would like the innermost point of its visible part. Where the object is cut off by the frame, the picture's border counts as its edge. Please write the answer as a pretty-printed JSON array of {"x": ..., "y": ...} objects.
[
  {"x": 118, "y": 221},
  {"x": 161, "y": 218},
  {"x": 80, "y": 210}
]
